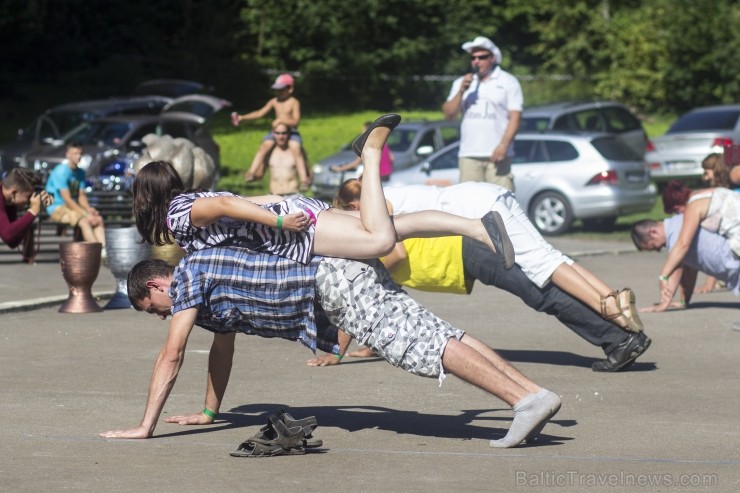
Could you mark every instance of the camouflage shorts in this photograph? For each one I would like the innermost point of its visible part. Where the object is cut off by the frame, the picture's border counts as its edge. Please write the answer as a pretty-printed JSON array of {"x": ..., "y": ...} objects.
[{"x": 361, "y": 298}]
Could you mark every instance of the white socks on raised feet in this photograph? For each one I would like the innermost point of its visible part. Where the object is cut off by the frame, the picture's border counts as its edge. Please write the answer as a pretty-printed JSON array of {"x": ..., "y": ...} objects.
[{"x": 530, "y": 417}]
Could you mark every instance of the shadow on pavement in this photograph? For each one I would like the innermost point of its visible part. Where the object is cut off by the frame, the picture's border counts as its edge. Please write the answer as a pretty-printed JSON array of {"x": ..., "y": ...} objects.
[
  {"x": 356, "y": 418},
  {"x": 563, "y": 358}
]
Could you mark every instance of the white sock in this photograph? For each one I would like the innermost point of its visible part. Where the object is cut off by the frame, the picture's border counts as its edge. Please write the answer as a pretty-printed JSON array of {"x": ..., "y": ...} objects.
[{"x": 529, "y": 413}]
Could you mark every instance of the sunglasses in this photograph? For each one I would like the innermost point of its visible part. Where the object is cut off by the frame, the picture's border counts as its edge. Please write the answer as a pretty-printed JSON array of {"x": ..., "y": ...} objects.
[
  {"x": 480, "y": 57},
  {"x": 281, "y": 133}
]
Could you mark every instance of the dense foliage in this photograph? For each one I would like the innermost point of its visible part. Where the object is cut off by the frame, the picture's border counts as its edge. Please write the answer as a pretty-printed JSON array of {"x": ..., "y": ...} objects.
[{"x": 657, "y": 55}]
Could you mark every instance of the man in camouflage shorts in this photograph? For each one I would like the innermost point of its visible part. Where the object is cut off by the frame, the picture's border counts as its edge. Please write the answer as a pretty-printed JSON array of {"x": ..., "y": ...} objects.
[{"x": 231, "y": 289}]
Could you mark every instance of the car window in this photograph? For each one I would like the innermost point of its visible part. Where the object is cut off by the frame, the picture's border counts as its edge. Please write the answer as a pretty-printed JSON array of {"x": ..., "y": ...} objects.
[
  {"x": 614, "y": 149},
  {"x": 195, "y": 107},
  {"x": 523, "y": 151},
  {"x": 139, "y": 133},
  {"x": 174, "y": 129},
  {"x": 447, "y": 160},
  {"x": 65, "y": 121},
  {"x": 101, "y": 133},
  {"x": 560, "y": 151},
  {"x": 149, "y": 109},
  {"x": 719, "y": 119},
  {"x": 589, "y": 121},
  {"x": 47, "y": 129},
  {"x": 400, "y": 139},
  {"x": 449, "y": 135},
  {"x": 565, "y": 124},
  {"x": 534, "y": 124},
  {"x": 427, "y": 139},
  {"x": 620, "y": 120}
]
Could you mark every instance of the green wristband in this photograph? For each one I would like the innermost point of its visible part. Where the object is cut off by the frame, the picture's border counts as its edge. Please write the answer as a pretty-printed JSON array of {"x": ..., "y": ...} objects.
[
  {"x": 280, "y": 222},
  {"x": 209, "y": 413},
  {"x": 338, "y": 356},
  {"x": 663, "y": 278}
]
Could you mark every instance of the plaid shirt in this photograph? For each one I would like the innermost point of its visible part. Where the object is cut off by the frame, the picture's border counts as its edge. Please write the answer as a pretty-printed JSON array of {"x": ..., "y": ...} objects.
[{"x": 237, "y": 290}]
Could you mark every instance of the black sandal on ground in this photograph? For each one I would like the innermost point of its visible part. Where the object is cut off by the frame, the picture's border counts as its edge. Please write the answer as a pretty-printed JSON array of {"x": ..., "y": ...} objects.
[{"x": 282, "y": 435}]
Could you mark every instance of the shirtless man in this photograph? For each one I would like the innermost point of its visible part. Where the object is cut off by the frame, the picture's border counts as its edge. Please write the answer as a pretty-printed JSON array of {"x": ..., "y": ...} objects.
[
  {"x": 287, "y": 111},
  {"x": 281, "y": 161}
]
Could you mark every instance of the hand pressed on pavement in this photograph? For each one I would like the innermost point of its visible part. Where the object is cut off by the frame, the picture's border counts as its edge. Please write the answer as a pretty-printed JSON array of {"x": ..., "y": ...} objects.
[
  {"x": 325, "y": 360},
  {"x": 190, "y": 419}
]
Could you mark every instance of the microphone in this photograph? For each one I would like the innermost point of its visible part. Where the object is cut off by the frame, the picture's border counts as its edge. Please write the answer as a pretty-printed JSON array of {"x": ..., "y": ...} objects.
[{"x": 474, "y": 69}]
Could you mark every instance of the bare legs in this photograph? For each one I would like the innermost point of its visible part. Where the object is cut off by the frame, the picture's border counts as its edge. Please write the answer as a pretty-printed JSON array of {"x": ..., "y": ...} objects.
[
  {"x": 257, "y": 168},
  {"x": 472, "y": 361},
  {"x": 617, "y": 307},
  {"x": 92, "y": 233},
  {"x": 374, "y": 235},
  {"x": 477, "y": 364},
  {"x": 429, "y": 224}
]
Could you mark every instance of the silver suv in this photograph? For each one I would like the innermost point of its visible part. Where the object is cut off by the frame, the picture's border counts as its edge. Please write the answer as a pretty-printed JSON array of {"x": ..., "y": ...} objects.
[
  {"x": 410, "y": 142},
  {"x": 55, "y": 122},
  {"x": 558, "y": 177},
  {"x": 596, "y": 116}
]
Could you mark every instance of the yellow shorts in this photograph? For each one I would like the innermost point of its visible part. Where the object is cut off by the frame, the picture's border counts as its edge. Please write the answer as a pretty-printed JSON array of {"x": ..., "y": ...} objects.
[{"x": 65, "y": 215}]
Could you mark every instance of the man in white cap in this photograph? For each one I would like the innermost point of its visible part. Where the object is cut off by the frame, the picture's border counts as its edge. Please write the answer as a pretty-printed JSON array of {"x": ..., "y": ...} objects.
[{"x": 490, "y": 102}]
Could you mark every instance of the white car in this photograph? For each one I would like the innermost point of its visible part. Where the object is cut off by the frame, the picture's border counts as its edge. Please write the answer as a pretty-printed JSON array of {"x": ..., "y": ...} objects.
[
  {"x": 558, "y": 178},
  {"x": 679, "y": 152}
]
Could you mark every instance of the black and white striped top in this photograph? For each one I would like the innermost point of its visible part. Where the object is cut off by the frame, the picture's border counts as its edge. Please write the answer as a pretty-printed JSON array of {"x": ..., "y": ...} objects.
[{"x": 294, "y": 245}]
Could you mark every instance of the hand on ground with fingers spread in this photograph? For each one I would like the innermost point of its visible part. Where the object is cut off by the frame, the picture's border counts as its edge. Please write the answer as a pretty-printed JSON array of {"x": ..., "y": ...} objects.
[{"x": 325, "y": 360}]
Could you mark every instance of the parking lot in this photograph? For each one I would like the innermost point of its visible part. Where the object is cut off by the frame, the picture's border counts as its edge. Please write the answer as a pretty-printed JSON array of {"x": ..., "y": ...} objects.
[{"x": 670, "y": 421}]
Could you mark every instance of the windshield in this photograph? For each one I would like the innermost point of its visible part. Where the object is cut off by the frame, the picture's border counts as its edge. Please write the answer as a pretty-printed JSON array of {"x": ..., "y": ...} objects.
[
  {"x": 67, "y": 120},
  {"x": 99, "y": 133},
  {"x": 719, "y": 119}
]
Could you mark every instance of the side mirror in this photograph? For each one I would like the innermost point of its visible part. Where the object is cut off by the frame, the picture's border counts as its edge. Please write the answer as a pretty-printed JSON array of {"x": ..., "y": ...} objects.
[
  {"x": 426, "y": 168},
  {"x": 424, "y": 150}
]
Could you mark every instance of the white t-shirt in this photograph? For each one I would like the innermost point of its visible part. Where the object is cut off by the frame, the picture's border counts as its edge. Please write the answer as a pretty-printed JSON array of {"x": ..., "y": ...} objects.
[{"x": 485, "y": 112}]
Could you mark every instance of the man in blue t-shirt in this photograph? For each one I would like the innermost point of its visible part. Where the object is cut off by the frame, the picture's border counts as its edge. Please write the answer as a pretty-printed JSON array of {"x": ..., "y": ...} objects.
[{"x": 70, "y": 204}]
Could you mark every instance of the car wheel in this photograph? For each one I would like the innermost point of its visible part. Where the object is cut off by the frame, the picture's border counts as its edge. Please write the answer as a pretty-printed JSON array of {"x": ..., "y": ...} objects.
[
  {"x": 602, "y": 224},
  {"x": 551, "y": 213}
]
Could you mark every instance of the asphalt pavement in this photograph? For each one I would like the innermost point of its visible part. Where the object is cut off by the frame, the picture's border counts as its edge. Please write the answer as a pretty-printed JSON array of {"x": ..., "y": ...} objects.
[{"x": 668, "y": 423}]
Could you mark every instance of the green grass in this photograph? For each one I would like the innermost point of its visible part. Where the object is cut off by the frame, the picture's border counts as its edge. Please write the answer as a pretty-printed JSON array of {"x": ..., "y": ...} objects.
[{"x": 323, "y": 135}]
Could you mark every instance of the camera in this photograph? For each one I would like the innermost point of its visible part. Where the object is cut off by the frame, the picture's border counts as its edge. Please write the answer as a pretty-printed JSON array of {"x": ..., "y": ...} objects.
[{"x": 38, "y": 189}]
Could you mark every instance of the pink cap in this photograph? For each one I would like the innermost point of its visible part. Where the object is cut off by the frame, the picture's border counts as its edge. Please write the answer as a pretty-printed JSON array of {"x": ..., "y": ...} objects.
[{"x": 283, "y": 81}]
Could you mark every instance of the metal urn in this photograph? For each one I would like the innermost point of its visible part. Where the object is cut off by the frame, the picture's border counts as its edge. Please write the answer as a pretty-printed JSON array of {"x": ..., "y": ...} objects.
[
  {"x": 170, "y": 253},
  {"x": 124, "y": 251},
  {"x": 80, "y": 262}
]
